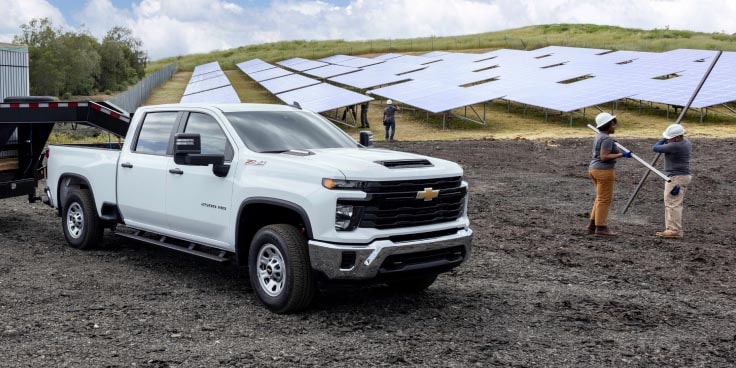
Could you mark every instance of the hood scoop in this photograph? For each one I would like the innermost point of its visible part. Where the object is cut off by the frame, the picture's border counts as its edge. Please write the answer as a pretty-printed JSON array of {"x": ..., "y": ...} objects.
[{"x": 405, "y": 164}]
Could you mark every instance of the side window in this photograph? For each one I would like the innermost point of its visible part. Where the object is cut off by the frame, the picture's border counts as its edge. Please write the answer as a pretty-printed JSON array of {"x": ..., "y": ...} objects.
[
  {"x": 213, "y": 138},
  {"x": 155, "y": 133}
]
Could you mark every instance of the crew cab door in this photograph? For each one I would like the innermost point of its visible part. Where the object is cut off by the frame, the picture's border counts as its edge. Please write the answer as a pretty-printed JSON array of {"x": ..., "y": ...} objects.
[
  {"x": 142, "y": 172},
  {"x": 198, "y": 202}
]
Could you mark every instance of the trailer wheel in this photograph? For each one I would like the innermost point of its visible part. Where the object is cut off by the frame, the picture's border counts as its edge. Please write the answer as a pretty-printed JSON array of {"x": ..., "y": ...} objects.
[
  {"x": 279, "y": 268},
  {"x": 82, "y": 227},
  {"x": 412, "y": 284}
]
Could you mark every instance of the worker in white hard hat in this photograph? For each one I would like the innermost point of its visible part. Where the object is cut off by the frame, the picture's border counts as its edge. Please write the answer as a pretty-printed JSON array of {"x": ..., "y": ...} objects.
[
  {"x": 677, "y": 151},
  {"x": 389, "y": 119},
  {"x": 602, "y": 171}
]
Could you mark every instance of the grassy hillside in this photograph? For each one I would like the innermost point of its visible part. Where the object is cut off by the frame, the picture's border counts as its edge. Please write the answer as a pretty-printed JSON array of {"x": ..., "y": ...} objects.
[
  {"x": 526, "y": 38},
  {"x": 505, "y": 121}
]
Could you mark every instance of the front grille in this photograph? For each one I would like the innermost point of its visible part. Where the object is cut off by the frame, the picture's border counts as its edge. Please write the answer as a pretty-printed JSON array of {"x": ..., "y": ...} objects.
[
  {"x": 412, "y": 185},
  {"x": 426, "y": 259},
  {"x": 394, "y": 204}
]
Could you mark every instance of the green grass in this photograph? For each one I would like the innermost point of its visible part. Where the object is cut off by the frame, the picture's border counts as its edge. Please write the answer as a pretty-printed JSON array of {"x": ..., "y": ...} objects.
[{"x": 526, "y": 38}]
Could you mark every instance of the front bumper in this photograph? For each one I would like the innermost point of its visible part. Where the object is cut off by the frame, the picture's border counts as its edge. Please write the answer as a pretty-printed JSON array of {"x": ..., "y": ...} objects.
[{"x": 328, "y": 258}]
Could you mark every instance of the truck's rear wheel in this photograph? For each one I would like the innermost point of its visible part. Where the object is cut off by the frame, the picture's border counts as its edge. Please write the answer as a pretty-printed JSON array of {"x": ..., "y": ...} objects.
[
  {"x": 279, "y": 268},
  {"x": 82, "y": 228}
]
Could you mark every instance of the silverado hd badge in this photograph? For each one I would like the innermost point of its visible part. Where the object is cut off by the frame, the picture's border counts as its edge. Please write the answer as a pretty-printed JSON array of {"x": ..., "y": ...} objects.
[{"x": 428, "y": 194}]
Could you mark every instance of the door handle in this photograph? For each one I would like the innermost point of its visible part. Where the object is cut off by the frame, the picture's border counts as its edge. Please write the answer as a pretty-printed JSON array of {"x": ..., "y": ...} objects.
[
  {"x": 176, "y": 171},
  {"x": 127, "y": 164}
]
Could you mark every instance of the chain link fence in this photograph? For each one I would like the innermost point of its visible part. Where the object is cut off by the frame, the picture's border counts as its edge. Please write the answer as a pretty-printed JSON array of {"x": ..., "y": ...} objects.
[{"x": 135, "y": 96}]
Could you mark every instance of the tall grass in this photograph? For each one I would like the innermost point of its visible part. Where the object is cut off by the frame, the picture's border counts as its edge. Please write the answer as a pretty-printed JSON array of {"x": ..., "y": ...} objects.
[{"x": 526, "y": 38}]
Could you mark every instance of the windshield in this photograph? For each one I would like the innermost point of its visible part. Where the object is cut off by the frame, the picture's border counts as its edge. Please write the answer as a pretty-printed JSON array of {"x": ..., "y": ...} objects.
[{"x": 279, "y": 131}]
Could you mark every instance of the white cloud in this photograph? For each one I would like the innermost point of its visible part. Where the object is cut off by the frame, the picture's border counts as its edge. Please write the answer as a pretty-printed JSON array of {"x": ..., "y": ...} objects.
[
  {"x": 16, "y": 13},
  {"x": 169, "y": 27}
]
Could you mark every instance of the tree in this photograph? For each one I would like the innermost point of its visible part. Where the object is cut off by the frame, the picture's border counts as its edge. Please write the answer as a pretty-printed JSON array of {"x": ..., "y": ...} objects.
[
  {"x": 76, "y": 63},
  {"x": 80, "y": 63},
  {"x": 46, "y": 77},
  {"x": 122, "y": 62}
]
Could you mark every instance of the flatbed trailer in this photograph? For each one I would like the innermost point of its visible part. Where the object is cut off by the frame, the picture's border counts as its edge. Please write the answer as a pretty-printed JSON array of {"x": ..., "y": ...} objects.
[{"x": 25, "y": 125}]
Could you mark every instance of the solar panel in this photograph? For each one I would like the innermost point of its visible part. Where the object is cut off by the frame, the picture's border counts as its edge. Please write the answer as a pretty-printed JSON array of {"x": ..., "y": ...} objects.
[
  {"x": 206, "y": 84},
  {"x": 366, "y": 79},
  {"x": 210, "y": 75},
  {"x": 358, "y": 62},
  {"x": 206, "y": 68},
  {"x": 322, "y": 97},
  {"x": 330, "y": 71},
  {"x": 254, "y": 66},
  {"x": 336, "y": 59},
  {"x": 450, "y": 99},
  {"x": 287, "y": 83},
  {"x": 387, "y": 56},
  {"x": 224, "y": 94},
  {"x": 300, "y": 64},
  {"x": 269, "y": 74}
]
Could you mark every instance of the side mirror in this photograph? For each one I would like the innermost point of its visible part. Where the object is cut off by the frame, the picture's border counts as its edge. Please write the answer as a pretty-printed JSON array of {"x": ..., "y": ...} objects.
[
  {"x": 188, "y": 151},
  {"x": 366, "y": 138}
]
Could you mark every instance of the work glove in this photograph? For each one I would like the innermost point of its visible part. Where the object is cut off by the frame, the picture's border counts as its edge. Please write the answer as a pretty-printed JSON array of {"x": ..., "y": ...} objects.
[
  {"x": 626, "y": 154},
  {"x": 675, "y": 190}
]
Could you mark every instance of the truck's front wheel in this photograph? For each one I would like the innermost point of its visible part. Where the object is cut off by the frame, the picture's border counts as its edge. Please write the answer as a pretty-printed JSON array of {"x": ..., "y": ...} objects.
[
  {"x": 79, "y": 220},
  {"x": 279, "y": 268}
]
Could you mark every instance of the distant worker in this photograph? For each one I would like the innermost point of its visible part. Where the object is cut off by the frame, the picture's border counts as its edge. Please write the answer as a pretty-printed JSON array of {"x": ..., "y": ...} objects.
[
  {"x": 364, "y": 115},
  {"x": 677, "y": 150},
  {"x": 602, "y": 171},
  {"x": 350, "y": 109},
  {"x": 389, "y": 119}
]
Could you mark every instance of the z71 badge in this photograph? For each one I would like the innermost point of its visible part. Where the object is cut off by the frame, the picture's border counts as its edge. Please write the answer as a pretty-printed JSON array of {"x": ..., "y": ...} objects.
[{"x": 254, "y": 163}]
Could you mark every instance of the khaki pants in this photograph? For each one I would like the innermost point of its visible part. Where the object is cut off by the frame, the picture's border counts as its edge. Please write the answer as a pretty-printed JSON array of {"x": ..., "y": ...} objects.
[
  {"x": 673, "y": 203},
  {"x": 603, "y": 181}
]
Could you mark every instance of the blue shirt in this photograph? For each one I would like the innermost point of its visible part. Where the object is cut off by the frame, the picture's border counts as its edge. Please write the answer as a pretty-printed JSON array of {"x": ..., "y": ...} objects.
[{"x": 676, "y": 156}]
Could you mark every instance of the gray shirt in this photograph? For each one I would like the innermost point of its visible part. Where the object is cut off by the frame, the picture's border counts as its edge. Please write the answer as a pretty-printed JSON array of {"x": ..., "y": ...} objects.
[
  {"x": 389, "y": 112},
  {"x": 676, "y": 156},
  {"x": 602, "y": 140}
]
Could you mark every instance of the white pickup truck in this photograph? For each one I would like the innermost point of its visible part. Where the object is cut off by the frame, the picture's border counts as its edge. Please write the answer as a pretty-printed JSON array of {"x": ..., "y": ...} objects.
[{"x": 273, "y": 187}]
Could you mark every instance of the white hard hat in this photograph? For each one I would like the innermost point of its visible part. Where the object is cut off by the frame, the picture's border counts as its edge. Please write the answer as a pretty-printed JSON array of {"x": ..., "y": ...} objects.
[
  {"x": 603, "y": 119},
  {"x": 673, "y": 131},
  {"x": 389, "y": 102}
]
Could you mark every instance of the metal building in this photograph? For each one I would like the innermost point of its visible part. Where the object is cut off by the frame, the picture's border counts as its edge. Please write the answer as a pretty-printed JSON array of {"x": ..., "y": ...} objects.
[
  {"x": 14, "y": 81},
  {"x": 13, "y": 70}
]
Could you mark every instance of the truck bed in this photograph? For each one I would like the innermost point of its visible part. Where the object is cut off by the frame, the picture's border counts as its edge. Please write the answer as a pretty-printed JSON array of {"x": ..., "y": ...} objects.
[{"x": 94, "y": 164}]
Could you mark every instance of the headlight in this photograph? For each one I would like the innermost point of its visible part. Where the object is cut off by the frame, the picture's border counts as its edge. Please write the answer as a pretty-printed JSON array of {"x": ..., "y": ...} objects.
[
  {"x": 343, "y": 184},
  {"x": 347, "y": 217}
]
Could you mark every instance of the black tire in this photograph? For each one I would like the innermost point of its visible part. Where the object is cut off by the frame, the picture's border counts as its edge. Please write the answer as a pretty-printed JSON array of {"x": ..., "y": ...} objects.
[
  {"x": 279, "y": 268},
  {"x": 412, "y": 284},
  {"x": 82, "y": 226}
]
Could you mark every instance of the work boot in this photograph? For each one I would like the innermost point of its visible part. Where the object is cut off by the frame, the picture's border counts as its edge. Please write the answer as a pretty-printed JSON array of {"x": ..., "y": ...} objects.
[
  {"x": 669, "y": 234},
  {"x": 591, "y": 227},
  {"x": 604, "y": 231}
]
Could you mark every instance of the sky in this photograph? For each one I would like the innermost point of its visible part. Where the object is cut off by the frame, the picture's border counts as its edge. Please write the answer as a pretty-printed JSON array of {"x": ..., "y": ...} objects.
[{"x": 171, "y": 27}]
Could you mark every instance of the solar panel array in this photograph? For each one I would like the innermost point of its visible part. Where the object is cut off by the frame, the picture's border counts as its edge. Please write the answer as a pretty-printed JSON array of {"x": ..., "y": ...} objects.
[
  {"x": 209, "y": 84},
  {"x": 559, "y": 78},
  {"x": 311, "y": 94}
]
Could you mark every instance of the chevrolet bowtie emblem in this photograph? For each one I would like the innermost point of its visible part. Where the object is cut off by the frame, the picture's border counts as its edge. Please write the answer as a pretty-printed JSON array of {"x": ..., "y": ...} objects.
[{"x": 428, "y": 194}]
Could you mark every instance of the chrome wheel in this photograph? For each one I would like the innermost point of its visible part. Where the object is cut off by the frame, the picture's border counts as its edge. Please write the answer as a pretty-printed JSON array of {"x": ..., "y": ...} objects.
[
  {"x": 271, "y": 270},
  {"x": 75, "y": 220}
]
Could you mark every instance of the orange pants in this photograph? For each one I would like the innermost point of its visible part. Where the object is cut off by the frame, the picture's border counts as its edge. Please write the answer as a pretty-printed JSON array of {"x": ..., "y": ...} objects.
[{"x": 603, "y": 181}]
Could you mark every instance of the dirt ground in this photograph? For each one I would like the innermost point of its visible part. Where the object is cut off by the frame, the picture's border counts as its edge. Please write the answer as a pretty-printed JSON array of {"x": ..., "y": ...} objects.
[{"x": 537, "y": 292}]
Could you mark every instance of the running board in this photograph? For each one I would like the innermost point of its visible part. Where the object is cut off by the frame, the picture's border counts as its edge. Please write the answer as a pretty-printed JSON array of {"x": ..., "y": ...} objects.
[{"x": 190, "y": 249}]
